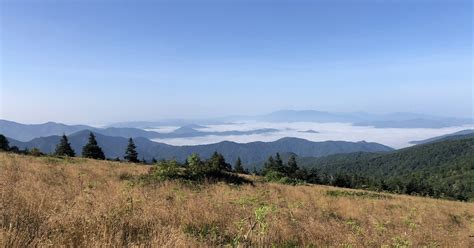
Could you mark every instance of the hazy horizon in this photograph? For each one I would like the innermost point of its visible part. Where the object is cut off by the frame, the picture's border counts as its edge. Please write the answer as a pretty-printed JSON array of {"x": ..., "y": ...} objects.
[
  {"x": 218, "y": 120},
  {"x": 98, "y": 62}
]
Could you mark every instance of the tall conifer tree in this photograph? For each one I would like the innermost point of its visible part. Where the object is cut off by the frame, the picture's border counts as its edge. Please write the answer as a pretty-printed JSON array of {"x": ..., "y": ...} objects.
[
  {"x": 131, "y": 154},
  {"x": 64, "y": 148},
  {"x": 4, "y": 144},
  {"x": 92, "y": 149},
  {"x": 238, "y": 166},
  {"x": 292, "y": 165}
]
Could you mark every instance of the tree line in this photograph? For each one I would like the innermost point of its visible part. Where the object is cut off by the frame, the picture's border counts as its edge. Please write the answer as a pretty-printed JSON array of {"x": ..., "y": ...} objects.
[
  {"x": 64, "y": 149},
  {"x": 94, "y": 151},
  {"x": 418, "y": 183}
]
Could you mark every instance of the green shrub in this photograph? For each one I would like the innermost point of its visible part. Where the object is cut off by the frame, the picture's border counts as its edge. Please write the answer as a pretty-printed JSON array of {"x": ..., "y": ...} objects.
[
  {"x": 35, "y": 152},
  {"x": 274, "y": 176},
  {"x": 166, "y": 170},
  {"x": 196, "y": 170}
]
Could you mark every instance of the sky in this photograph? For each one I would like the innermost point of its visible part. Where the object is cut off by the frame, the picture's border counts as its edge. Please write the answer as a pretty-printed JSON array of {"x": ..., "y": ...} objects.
[{"x": 105, "y": 61}]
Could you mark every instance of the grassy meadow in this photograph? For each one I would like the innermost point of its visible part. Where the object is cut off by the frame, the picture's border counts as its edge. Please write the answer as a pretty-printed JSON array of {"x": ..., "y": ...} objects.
[{"x": 79, "y": 202}]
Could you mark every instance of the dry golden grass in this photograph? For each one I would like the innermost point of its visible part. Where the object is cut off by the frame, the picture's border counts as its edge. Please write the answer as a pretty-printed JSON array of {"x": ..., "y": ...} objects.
[{"x": 83, "y": 203}]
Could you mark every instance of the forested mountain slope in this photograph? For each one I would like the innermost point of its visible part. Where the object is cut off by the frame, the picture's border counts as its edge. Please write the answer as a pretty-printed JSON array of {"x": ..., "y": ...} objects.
[{"x": 446, "y": 166}]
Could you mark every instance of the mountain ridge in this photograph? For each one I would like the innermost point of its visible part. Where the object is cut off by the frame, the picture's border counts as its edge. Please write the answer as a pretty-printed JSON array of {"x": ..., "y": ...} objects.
[
  {"x": 26, "y": 132},
  {"x": 250, "y": 153},
  {"x": 455, "y": 135}
]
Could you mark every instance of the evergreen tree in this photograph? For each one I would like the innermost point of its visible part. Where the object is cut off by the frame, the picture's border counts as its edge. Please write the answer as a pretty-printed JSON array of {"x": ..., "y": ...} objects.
[
  {"x": 342, "y": 180},
  {"x": 255, "y": 171},
  {"x": 131, "y": 154},
  {"x": 64, "y": 148},
  {"x": 269, "y": 165},
  {"x": 194, "y": 160},
  {"x": 312, "y": 176},
  {"x": 279, "y": 164},
  {"x": 217, "y": 162},
  {"x": 154, "y": 161},
  {"x": 292, "y": 165},
  {"x": 92, "y": 149},
  {"x": 238, "y": 166},
  {"x": 15, "y": 149},
  {"x": 4, "y": 144},
  {"x": 195, "y": 164}
]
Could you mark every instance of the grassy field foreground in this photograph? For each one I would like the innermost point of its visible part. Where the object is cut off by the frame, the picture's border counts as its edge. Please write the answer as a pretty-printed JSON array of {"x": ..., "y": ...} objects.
[{"x": 79, "y": 202}]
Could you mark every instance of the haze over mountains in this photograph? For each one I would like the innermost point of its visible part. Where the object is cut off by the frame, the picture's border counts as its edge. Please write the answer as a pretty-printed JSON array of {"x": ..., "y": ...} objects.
[
  {"x": 398, "y": 120},
  {"x": 395, "y": 130},
  {"x": 24, "y": 132},
  {"x": 395, "y": 120}
]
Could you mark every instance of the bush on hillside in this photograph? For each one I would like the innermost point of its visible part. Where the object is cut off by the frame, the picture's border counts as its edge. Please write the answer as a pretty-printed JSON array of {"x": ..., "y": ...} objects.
[{"x": 211, "y": 170}]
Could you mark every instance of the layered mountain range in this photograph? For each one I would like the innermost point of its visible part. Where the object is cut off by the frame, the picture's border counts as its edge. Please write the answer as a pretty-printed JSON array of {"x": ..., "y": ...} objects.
[{"x": 250, "y": 153}]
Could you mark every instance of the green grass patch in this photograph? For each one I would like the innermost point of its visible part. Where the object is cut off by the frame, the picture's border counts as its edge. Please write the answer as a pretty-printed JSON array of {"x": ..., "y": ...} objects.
[{"x": 357, "y": 194}]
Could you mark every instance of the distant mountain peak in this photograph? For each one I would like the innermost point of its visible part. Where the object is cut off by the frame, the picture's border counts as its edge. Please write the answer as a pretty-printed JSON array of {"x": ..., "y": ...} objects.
[
  {"x": 185, "y": 130},
  {"x": 308, "y": 131}
]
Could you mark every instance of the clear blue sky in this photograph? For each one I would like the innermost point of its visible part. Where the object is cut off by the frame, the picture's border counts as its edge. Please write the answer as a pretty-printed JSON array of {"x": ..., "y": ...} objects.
[{"x": 106, "y": 61}]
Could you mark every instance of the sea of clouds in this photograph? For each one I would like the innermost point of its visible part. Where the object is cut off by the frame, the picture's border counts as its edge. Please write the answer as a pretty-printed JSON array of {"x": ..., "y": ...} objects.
[{"x": 393, "y": 137}]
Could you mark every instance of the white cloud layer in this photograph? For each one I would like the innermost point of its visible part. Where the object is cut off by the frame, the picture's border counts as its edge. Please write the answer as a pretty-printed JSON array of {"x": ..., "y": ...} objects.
[{"x": 394, "y": 137}]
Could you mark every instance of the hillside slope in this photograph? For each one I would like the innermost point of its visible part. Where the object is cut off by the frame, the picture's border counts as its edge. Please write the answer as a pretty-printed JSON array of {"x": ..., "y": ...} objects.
[
  {"x": 453, "y": 136},
  {"x": 85, "y": 203},
  {"x": 446, "y": 166}
]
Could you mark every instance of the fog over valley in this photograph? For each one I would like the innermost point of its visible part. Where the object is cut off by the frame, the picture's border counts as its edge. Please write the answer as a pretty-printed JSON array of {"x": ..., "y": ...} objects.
[{"x": 394, "y": 137}]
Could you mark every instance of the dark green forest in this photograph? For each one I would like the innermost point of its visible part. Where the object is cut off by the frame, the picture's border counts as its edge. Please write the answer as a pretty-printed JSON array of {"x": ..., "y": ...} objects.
[{"x": 444, "y": 169}]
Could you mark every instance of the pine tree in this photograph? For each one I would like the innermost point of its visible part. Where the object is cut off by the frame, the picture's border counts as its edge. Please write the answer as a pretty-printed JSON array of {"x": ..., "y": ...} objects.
[
  {"x": 269, "y": 165},
  {"x": 194, "y": 160},
  {"x": 278, "y": 161},
  {"x": 217, "y": 162},
  {"x": 131, "y": 154},
  {"x": 279, "y": 164},
  {"x": 92, "y": 149},
  {"x": 154, "y": 161},
  {"x": 238, "y": 166},
  {"x": 255, "y": 171},
  {"x": 292, "y": 165},
  {"x": 4, "y": 144},
  {"x": 195, "y": 164},
  {"x": 64, "y": 148}
]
